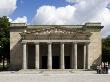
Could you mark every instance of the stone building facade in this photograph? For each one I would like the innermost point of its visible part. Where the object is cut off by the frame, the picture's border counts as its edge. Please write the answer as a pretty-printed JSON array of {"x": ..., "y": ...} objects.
[{"x": 55, "y": 46}]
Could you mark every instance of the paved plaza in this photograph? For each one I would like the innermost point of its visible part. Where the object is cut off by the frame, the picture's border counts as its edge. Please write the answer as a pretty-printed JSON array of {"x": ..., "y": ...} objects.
[{"x": 52, "y": 76}]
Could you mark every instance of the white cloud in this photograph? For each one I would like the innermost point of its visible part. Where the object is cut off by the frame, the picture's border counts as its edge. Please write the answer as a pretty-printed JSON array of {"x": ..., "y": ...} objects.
[
  {"x": 72, "y": 1},
  {"x": 10, "y": 20},
  {"x": 84, "y": 11},
  {"x": 88, "y": 9},
  {"x": 53, "y": 15},
  {"x": 7, "y": 7},
  {"x": 106, "y": 20},
  {"x": 19, "y": 20}
]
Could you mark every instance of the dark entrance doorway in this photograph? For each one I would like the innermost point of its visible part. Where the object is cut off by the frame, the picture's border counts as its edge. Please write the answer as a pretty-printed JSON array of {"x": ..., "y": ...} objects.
[
  {"x": 67, "y": 62},
  {"x": 31, "y": 56},
  {"x": 55, "y": 62},
  {"x": 44, "y": 62}
]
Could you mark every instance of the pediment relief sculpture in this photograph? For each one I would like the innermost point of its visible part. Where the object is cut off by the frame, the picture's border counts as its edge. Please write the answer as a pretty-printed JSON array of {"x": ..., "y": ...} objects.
[{"x": 55, "y": 33}]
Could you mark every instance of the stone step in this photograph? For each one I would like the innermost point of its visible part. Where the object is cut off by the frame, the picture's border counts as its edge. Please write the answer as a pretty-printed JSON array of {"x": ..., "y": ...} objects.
[{"x": 31, "y": 71}]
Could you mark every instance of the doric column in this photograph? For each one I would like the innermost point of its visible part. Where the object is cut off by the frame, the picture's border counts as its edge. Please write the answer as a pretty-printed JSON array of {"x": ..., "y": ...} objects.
[
  {"x": 24, "y": 57},
  {"x": 84, "y": 57},
  {"x": 62, "y": 63},
  {"x": 37, "y": 55},
  {"x": 72, "y": 57},
  {"x": 87, "y": 58},
  {"x": 75, "y": 55},
  {"x": 49, "y": 55}
]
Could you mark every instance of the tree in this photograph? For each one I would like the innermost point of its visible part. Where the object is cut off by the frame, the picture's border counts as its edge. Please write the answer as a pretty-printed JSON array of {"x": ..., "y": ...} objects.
[
  {"x": 4, "y": 39},
  {"x": 106, "y": 49}
]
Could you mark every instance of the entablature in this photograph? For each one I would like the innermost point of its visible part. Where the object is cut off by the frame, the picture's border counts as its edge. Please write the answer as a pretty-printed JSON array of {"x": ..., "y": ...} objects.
[{"x": 55, "y": 33}]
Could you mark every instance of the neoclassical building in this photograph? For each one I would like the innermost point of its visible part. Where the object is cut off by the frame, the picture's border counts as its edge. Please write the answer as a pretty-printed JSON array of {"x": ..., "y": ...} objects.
[{"x": 55, "y": 46}]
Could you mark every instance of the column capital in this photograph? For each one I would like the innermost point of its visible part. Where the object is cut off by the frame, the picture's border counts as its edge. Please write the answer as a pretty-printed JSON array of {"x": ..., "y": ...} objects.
[
  {"x": 74, "y": 42},
  {"x": 49, "y": 42},
  {"x": 61, "y": 42},
  {"x": 86, "y": 43},
  {"x": 36, "y": 42},
  {"x": 24, "y": 42}
]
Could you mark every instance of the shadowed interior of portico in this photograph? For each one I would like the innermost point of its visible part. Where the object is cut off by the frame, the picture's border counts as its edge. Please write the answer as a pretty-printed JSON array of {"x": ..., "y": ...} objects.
[{"x": 56, "y": 56}]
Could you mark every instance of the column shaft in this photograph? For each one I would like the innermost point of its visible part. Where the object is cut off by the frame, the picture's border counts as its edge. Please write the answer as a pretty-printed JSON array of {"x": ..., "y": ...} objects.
[
  {"x": 72, "y": 57},
  {"x": 37, "y": 55},
  {"x": 24, "y": 57},
  {"x": 62, "y": 56},
  {"x": 84, "y": 62},
  {"x": 49, "y": 56},
  {"x": 75, "y": 56},
  {"x": 87, "y": 58}
]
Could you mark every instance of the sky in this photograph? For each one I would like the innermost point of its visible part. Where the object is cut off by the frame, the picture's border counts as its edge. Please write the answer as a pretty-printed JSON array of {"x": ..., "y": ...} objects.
[{"x": 57, "y": 12}]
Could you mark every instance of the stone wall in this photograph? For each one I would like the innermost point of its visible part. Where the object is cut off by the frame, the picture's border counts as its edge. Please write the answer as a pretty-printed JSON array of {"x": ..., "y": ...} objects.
[
  {"x": 95, "y": 49},
  {"x": 15, "y": 48}
]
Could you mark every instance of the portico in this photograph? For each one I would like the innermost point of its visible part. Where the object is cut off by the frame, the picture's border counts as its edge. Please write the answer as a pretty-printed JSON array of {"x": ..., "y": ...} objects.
[
  {"x": 55, "y": 48},
  {"x": 73, "y": 54}
]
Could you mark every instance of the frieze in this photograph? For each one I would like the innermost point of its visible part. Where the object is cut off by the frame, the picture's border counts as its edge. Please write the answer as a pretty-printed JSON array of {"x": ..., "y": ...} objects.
[{"x": 55, "y": 33}]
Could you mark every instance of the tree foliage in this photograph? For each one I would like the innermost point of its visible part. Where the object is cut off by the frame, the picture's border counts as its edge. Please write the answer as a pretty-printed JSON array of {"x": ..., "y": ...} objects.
[
  {"x": 4, "y": 37},
  {"x": 106, "y": 49}
]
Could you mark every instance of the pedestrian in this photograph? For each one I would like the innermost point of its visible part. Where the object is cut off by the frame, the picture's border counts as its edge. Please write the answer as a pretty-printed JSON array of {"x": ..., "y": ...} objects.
[
  {"x": 98, "y": 69},
  {"x": 102, "y": 68},
  {"x": 106, "y": 67}
]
